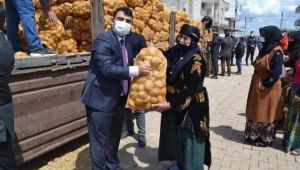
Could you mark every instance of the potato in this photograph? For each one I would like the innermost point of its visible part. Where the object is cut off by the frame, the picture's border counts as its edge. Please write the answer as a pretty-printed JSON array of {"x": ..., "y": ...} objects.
[{"x": 149, "y": 88}]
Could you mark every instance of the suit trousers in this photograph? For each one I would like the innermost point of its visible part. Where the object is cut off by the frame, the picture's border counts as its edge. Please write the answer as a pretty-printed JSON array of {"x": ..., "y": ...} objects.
[
  {"x": 251, "y": 54},
  {"x": 140, "y": 121},
  {"x": 104, "y": 136},
  {"x": 214, "y": 59},
  {"x": 227, "y": 60}
]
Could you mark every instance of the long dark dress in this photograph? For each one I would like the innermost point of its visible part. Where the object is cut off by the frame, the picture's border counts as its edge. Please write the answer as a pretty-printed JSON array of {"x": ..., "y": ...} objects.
[{"x": 189, "y": 144}]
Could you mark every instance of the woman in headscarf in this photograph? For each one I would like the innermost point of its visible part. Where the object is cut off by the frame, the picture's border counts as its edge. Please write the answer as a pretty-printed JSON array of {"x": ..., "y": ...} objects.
[
  {"x": 291, "y": 139},
  {"x": 264, "y": 104},
  {"x": 184, "y": 133}
]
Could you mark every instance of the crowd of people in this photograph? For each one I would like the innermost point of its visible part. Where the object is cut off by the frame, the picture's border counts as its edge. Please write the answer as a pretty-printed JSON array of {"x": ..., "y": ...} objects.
[
  {"x": 229, "y": 47},
  {"x": 184, "y": 133}
]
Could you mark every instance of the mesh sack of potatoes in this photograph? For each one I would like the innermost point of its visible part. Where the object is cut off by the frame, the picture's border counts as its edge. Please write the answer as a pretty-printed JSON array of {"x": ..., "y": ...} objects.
[
  {"x": 63, "y": 10},
  {"x": 82, "y": 9},
  {"x": 85, "y": 46},
  {"x": 135, "y": 3},
  {"x": 181, "y": 16},
  {"x": 147, "y": 90},
  {"x": 67, "y": 46},
  {"x": 148, "y": 33},
  {"x": 111, "y": 5},
  {"x": 142, "y": 14},
  {"x": 138, "y": 25}
]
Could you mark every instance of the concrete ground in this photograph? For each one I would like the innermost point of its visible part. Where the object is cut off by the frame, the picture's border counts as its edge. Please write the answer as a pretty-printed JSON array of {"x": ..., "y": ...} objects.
[{"x": 228, "y": 97}]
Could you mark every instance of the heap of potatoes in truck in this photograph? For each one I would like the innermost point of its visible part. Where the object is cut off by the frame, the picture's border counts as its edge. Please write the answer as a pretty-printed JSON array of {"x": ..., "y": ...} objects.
[{"x": 72, "y": 33}]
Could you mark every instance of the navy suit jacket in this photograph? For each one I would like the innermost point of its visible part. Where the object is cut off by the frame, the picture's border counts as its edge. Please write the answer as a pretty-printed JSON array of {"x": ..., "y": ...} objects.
[
  {"x": 103, "y": 85},
  {"x": 137, "y": 42}
]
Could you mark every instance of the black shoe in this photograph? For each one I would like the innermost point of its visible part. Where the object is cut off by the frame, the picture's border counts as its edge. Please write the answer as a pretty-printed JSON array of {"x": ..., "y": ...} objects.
[
  {"x": 45, "y": 52},
  {"x": 214, "y": 77},
  {"x": 127, "y": 133},
  {"x": 142, "y": 142}
]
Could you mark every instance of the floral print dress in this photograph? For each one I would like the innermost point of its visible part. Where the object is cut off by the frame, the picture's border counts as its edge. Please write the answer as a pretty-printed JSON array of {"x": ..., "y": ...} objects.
[{"x": 184, "y": 134}]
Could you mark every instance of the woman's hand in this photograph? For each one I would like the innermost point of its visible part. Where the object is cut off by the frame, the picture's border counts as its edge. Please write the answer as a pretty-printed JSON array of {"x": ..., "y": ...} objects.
[
  {"x": 286, "y": 58},
  {"x": 297, "y": 98},
  {"x": 160, "y": 107},
  {"x": 261, "y": 86}
]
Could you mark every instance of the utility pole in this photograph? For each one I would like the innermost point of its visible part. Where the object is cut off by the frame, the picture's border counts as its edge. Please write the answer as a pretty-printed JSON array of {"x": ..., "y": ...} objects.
[
  {"x": 281, "y": 19},
  {"x": 247, "y": 19}
]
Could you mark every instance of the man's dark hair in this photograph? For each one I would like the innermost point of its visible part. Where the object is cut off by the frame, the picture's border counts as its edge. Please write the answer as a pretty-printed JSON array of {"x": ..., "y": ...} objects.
[{"x": 127, "y": 11}]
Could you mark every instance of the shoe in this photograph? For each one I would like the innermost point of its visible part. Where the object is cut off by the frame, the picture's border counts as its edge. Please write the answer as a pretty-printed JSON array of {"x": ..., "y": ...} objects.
[
  {"x": 246, "y": 64},
  {"x": 238, "y": 73},
  {"x": 222, "y": 74},
  {"x": 127, "y": 133},
  {"x": 142, "y": 141},
  {"x": 45, "y": 52},
  {"x": 214, "y": 77}
]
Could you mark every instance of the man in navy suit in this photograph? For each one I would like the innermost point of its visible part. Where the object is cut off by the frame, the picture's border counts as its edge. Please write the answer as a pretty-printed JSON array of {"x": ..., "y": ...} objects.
[{"x": 106, "y": 89}]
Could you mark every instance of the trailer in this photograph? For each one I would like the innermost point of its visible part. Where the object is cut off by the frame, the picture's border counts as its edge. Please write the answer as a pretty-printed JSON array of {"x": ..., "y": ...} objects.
[{"x": 46, "y": 96}]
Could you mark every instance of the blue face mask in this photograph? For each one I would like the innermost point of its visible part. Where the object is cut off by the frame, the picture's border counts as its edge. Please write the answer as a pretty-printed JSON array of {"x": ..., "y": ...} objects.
[{"x": 121, "y": 28}]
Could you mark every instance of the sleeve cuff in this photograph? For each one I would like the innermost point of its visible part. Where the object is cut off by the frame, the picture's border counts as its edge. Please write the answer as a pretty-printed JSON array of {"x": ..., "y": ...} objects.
[{"x": 134, "y": 71}]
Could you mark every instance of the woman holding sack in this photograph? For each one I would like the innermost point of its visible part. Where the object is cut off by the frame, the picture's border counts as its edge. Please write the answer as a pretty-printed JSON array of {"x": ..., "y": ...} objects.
[
  {"x": 264, "y": 104},
  {"x": 291, "y": 139},
  {"x": 184, "y": 133}
]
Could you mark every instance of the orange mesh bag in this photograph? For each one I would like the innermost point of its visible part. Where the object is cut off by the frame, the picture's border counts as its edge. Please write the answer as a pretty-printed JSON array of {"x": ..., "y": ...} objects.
[{"x": 150, "y": 89}]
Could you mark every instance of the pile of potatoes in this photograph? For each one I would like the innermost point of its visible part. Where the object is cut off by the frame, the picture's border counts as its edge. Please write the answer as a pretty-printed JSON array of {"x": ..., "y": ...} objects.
[
  {"x": 150, "y": 89},
  {"x": 151, "y": 19}
]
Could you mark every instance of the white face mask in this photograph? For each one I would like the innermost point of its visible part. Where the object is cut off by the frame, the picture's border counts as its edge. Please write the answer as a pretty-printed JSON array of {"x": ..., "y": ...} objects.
[
  {"x": 121, "y": 28},
  {"x": 261, "y": 39}
]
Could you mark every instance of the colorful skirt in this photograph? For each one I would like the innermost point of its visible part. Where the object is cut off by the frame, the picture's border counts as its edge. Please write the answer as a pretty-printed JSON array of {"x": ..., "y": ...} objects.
[
  {"x": 260, "y": 134},
  {"x": 291, "y": 139}
]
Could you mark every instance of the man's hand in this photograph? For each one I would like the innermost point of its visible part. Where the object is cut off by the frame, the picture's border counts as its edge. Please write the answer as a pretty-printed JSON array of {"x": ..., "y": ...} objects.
[
  {"x": 160, "y": 107},
  {"x": 52, "y": 17},
  {"x": 144, "y": 70}
]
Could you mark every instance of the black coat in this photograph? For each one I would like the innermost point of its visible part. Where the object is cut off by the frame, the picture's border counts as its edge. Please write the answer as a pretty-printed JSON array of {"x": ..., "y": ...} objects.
[
  {"x": 251, "y": 43},
  {"x": 240, "y": 49},
  {"x": 6, "y": 108},
  {"x": 215, "y": 46}
]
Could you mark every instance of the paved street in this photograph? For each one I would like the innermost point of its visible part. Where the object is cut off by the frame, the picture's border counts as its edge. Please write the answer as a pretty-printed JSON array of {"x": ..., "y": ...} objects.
[{"x": 227, "y": 111}]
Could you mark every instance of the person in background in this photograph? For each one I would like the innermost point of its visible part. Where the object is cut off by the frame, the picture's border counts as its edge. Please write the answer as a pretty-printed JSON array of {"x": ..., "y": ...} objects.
[
  {"x": 137, "y": 42},
  {"x": 264, "y": 104},
  {"x": 106, "y": 90},
  {"x": 235, "y": 41},
  {"x": 23, "y": 11},
  {"x": 226, "y": 51},
  {"x": 215, "y": 46},
  {"x": 251, "y": 44},
  {"x": 239, "y": 54},
  {"x": 184, "y": 131},
  {"x": 291, "y": 138},
  {"x": 7, "y": 158}
]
